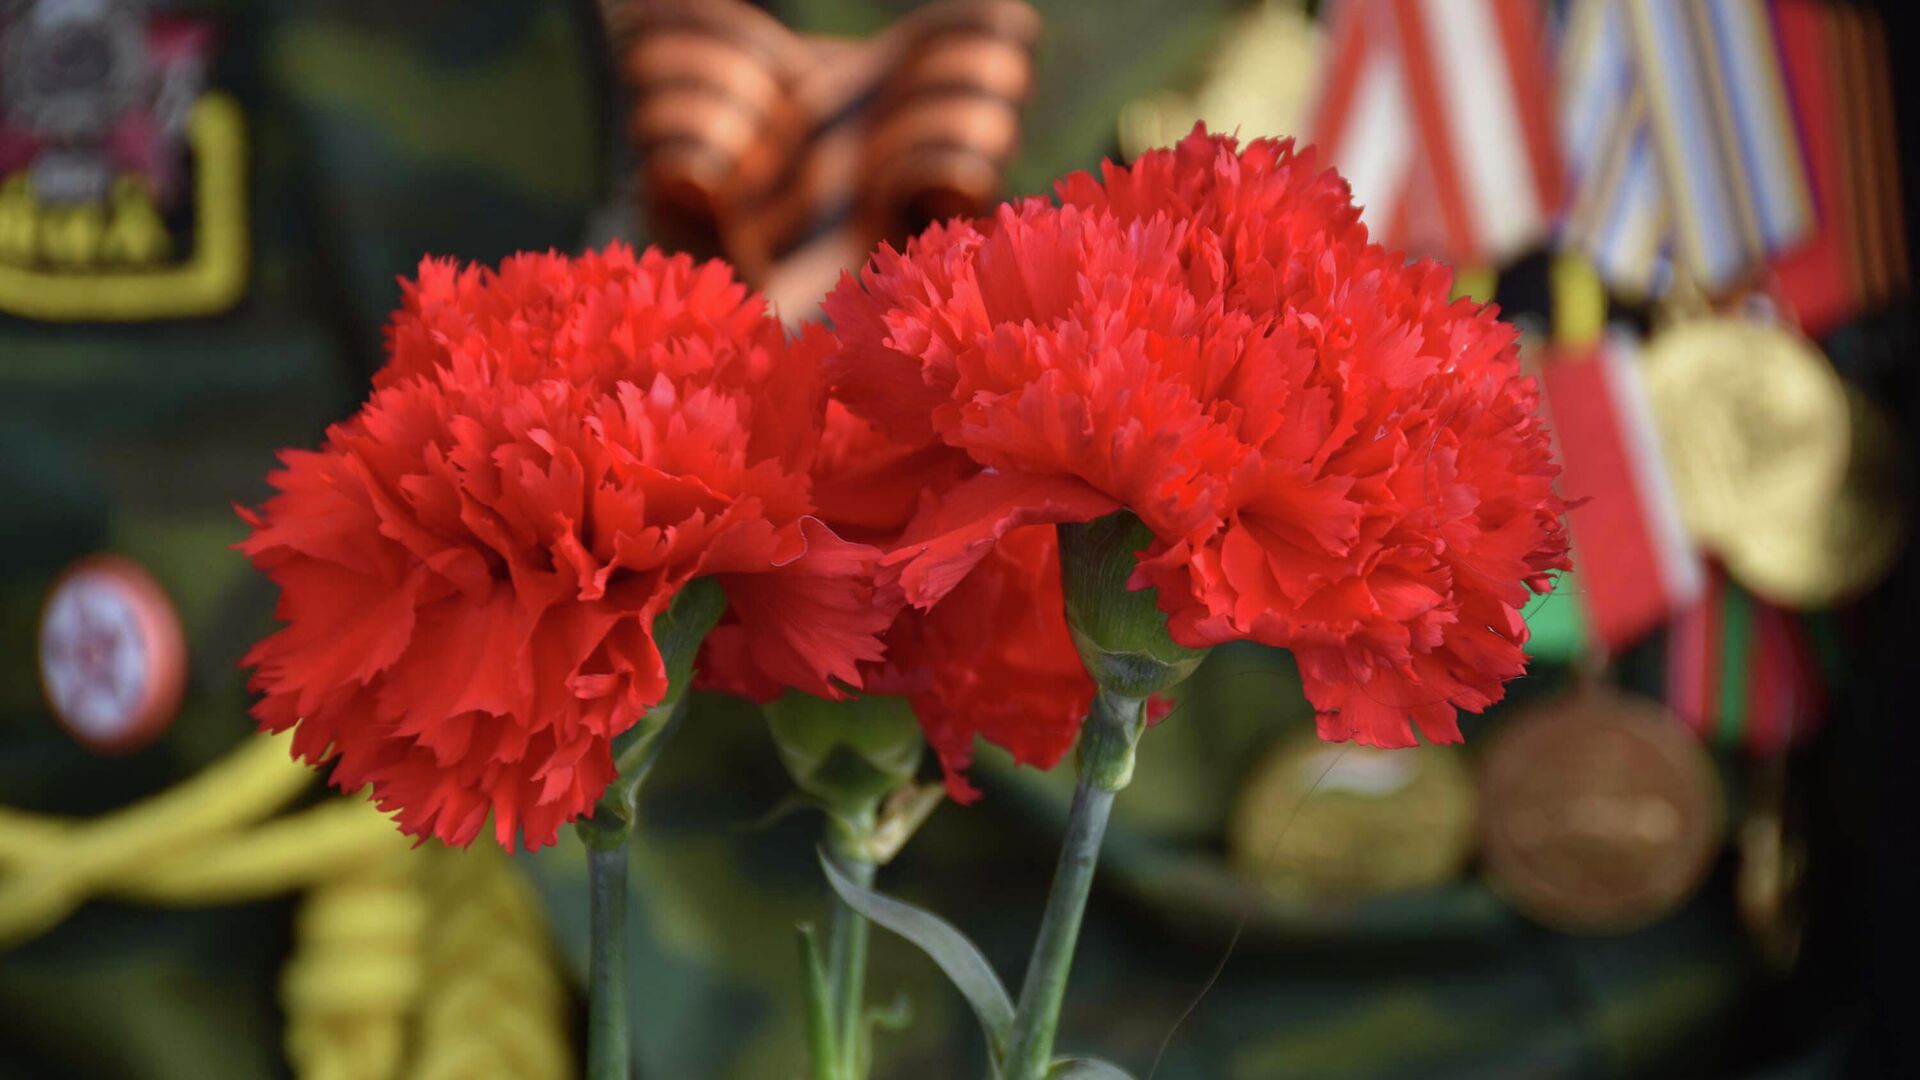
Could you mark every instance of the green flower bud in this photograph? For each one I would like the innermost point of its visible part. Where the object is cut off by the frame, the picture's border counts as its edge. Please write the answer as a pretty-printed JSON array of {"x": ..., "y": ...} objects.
[{"x": 848, "y": 755}]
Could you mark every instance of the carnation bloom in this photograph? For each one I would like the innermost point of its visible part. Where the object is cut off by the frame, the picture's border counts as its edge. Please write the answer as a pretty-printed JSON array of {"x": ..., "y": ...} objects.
[
  {"x": 470, "y": 566},
  {"x": 1333, "y": 457},
  {"x": 993, "y": 659}
]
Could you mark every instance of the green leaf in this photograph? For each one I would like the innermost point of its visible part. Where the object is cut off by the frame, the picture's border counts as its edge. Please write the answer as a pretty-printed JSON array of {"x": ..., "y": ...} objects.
[
  {"x": 960, "y": 958},
  {"x": 1086, "y": 1069}
]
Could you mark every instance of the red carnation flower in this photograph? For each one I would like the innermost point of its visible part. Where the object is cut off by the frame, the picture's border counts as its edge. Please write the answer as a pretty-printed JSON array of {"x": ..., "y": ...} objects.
[
  {"x": 1333, "y": 457},
  {"x": 993, "y": 659},
  {"x": 470, "y": 565}
]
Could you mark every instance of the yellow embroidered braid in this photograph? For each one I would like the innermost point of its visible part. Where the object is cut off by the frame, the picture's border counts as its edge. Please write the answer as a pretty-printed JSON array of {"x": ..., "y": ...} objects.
[{"x": 427, "y": 964}]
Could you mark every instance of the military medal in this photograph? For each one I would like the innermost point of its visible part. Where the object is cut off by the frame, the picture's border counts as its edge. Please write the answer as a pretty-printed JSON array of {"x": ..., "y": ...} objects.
[
  {"x": 1321, "y": 820},
  {"x": 112, "y": 655},
  {"x": 1599, "y": 813},
  {"x": 1841, "y": 549},
  {"x": 1753, "y": 421}
]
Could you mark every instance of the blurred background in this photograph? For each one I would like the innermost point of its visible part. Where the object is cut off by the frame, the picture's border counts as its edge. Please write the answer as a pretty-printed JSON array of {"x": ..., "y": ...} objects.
[{"x": 1678, "y": 850}]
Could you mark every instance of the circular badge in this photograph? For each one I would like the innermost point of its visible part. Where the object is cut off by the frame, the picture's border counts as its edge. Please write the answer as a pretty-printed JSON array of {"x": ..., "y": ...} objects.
[
  {"x": 1754, "y": 424},
  {"x": 1600, "y": 813},
  {"x": 1322, "y": 819},
  {"x": 112, "y": 655}
]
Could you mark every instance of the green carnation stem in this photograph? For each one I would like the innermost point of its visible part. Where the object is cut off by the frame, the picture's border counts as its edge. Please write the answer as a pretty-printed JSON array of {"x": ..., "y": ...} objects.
[
  {"x": 1106, "y": 762},
  {"x": 607, "y": 835},
  {"x": 847, "y": 933},
  {"x": 608, "y": 832},
  {"x": 609, "y": 1049}
]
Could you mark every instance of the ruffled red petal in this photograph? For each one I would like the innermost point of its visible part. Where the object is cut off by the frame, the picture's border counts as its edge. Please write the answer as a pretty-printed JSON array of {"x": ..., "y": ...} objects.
[
  {"x": 1335, "y": 457},
  {"x": 993, "y": 659},
  {"x": 470, "y": 566}
]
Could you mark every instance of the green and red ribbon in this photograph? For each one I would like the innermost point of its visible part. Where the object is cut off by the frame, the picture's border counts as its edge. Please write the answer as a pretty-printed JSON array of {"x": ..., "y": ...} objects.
[{"x": 1744, "y": 673}]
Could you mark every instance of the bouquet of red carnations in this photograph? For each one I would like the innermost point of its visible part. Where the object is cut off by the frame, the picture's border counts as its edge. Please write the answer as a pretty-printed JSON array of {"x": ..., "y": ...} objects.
[{"x": 1028, "y": 472}]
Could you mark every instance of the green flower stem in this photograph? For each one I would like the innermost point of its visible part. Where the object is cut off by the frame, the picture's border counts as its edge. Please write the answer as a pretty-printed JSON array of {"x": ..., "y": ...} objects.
[
  {"x": 608, "y": 834},
  {"x": 635, "y": 758},
  {"x": 609, "y": 1050},
  {"x": 677, "y": 632},
  {"x": 823, "y": 1056},
  {"x": 1106, "y": 763},
  {"x": 847, "y": 933}
]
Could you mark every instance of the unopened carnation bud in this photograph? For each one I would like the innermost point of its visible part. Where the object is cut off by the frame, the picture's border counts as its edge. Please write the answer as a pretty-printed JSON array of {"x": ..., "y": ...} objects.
[
  {"x": 1121, "y": 633},
  {"x": 848, "y": 755}
]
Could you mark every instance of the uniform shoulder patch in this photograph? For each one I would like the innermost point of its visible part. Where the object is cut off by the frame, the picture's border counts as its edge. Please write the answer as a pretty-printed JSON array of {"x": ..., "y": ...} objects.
[{"x": 122, "y": 177}]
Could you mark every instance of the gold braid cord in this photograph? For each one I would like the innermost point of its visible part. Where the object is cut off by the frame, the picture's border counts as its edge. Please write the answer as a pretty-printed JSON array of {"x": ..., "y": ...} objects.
[{"x": 411, "y": 964}]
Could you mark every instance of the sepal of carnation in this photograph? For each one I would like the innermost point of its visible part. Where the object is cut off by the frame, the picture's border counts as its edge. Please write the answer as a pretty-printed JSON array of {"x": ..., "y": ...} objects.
[
  {"x": 1118, "y": 629},
  {"x": 847, "y": 755}
]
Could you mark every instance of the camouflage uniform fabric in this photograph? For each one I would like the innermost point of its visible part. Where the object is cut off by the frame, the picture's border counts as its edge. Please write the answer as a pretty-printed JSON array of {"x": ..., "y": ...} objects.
[
  {"x": 375, "y": 132},
  {"x": 381, "y": 131}
]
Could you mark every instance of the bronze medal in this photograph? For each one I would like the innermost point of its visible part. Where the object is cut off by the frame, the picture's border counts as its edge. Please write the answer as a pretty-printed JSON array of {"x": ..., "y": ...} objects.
[
  {"x": 1754, "y": 425},
  {"x": 1600, "y": 813},
  {"x": 1319, "y": 819}
]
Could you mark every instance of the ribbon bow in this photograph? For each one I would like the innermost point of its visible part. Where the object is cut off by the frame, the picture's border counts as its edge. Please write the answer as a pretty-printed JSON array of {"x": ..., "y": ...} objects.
[{"x": 794, "y": 154}]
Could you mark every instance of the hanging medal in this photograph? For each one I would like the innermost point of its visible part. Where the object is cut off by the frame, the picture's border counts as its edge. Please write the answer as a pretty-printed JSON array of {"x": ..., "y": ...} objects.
[
  {"x": 1754, "y": 426},
  {"x": 1769, "y": 885},
  {"x": 1316, "y": 821},
  {"x": 1600, "y": 814}
]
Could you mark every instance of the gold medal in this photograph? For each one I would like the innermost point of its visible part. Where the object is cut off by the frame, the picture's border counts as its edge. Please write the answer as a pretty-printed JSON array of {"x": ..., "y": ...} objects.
[
  {"x": 1836, "y": 551},
  {"x": 1599, "y": 813},
  {"x": 1259, "y": 84},
  {"x": 1754, "y": 424},
  {"x": 1319, "y": 819}
]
